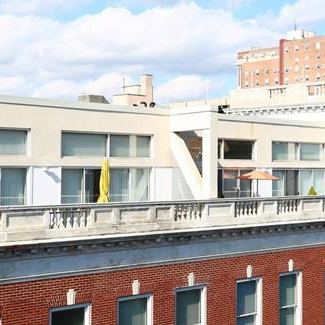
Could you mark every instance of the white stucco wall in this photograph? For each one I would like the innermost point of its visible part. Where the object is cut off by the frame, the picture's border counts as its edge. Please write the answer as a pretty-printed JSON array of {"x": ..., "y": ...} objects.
[{"x": 46, "y": 186}]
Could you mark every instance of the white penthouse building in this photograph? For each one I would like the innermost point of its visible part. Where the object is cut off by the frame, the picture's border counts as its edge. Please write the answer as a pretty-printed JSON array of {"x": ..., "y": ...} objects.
[{"x": 51, "y": 152}]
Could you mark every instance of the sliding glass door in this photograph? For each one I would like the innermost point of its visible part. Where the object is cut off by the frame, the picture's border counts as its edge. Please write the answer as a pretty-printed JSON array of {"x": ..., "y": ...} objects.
[{"x": 13, "y": 183}]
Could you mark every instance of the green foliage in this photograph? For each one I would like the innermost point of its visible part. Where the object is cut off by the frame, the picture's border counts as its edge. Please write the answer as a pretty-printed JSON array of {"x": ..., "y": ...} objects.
[{"x": 312, "y": 191}]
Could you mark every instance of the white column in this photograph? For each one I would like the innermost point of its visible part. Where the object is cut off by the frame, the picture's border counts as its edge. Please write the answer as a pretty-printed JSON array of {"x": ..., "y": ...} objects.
[{"x": 210, "y": 158}]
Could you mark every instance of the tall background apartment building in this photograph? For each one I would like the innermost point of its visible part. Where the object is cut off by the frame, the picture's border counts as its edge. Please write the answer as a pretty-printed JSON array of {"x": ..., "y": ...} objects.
[{"x": 298, "y": 58}]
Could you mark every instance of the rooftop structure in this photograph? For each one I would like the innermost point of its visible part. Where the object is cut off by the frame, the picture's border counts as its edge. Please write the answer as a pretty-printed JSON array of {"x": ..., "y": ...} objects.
[
  {"x": 195, "y": 152},
  {"x": 137, "y": 95}
]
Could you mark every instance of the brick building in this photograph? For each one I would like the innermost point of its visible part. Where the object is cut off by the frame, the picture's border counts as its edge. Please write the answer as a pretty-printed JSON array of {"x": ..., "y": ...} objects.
[
  {"x": 223, "y": 262},
  {"x": 299, "y": 58}
]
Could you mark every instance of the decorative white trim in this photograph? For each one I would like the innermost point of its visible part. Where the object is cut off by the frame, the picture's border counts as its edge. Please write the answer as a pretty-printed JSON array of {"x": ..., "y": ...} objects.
[
  {"x": 290, "y": 265},
  {"x": 71, "y": 297},
  {"x": 191, "y": 279},
  {"x": 136, "y": 287},
  {"x": 249, "y": 271}
]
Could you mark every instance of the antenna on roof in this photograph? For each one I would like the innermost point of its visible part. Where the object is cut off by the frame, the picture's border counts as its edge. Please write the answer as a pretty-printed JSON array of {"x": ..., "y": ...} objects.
[{"x": 123, "y": 83}]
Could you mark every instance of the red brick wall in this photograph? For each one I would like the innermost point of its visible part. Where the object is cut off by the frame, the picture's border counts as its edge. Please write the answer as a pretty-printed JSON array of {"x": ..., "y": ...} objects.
[{"x": 29, "y": 303}]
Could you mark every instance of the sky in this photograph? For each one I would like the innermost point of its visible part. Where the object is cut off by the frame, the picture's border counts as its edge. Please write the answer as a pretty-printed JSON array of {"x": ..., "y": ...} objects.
[{"x": 66, "y": 48}]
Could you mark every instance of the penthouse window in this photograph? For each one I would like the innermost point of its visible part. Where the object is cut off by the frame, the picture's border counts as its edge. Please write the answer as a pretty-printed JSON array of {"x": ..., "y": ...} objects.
[
  {"x": 296, "y": 151},
  {"x": 290, "y": 306},
  {"x": 12, "y": 186},
  {"x": 310, "y": 151},
  {"x": 248, "y": 302},
  {"x": 83, "y": 144},
  {"x": 76, "y": 315},
  {"x": 135, "y": 311},
  {"x": 236, "y": 149},
  {"x": 190, "y": 306},
  {"x": 284, "y": 151},
  {"x": 126, "y": 184},
  {"x": 130, "y": 146},
  {"x": 13, "y": 142}
]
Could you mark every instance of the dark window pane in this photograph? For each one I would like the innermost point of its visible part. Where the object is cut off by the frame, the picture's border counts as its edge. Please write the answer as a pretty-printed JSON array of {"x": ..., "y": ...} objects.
[
  {"x": 238, "y": 149},
  {"x": 247, "y": 320},
  {"x": 287, "y": 290},
  {"x": 287, "y": 316},
  {"x": 74, "y": 316}
]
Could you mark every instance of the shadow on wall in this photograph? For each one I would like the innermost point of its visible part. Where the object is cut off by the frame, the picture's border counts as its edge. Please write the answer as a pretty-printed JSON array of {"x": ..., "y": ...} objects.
[{"x": 54, "y": 176}]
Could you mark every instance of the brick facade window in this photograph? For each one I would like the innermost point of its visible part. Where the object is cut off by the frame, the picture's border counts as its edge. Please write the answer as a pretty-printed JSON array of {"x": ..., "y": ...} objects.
[
  {"x": 249, "y": 302},
  {"x": 190, "y": 306},
  {"x": 136, "y": 310},
  {"x": 71, "y": 315},
  {"x": 290, "y": 305}
]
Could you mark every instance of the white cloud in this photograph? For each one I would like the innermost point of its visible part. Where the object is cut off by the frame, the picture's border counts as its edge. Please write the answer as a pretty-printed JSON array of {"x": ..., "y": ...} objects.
[
  {"x": 10, "y": 85},
  {"x": 62, "y": 59},
  {"x": 35, "y": 6},
  {"x": 184, "y": 88},
  {"x": 106, "y": 85},
  {"x": 304, "y": 11}
]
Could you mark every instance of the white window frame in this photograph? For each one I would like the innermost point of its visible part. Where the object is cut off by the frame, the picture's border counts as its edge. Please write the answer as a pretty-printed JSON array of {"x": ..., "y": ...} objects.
[
  {"x": 298, "y": 293},
  {"x": 203, "y": 301},
  {"x": 258, "y": 313},
  {"x": 149, "y": 298},
  {"x": 87, "y": 308}
]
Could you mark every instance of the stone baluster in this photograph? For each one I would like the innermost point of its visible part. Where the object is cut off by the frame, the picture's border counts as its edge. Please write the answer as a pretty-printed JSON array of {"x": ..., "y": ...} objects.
[
  {"x": 62, "y": 220},
  {"x": 82, "y": 217}
]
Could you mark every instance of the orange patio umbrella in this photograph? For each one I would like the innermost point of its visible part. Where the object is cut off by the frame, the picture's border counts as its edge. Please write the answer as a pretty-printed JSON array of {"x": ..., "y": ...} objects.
[{"x": 258, "y": 175}]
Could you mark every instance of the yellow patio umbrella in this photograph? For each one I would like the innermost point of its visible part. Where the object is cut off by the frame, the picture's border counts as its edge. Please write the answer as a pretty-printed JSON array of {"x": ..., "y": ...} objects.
[{"x": 104, "y": 183}]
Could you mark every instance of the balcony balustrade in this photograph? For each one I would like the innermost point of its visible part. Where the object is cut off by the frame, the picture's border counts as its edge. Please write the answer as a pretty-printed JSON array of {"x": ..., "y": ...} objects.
[{"x": 67, "y": 222}]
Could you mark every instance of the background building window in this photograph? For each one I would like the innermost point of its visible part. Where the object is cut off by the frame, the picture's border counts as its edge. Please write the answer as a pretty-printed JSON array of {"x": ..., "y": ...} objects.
[
  {"x": 190, "y": 307},
  {"x": 134, "y": 311},
  {"x": 84, "y": 144},
  {"x": 248, "y": 302},
  {"x": 13, "y": 142},
  {"x": 70, "y": 316},
  {"x": 12, "y": 185},
  {"x": 289, "y": 307}
]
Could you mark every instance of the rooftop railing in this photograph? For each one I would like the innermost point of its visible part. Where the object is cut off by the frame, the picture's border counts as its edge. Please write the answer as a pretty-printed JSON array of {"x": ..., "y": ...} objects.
[{"x": 66, "y": 222}]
